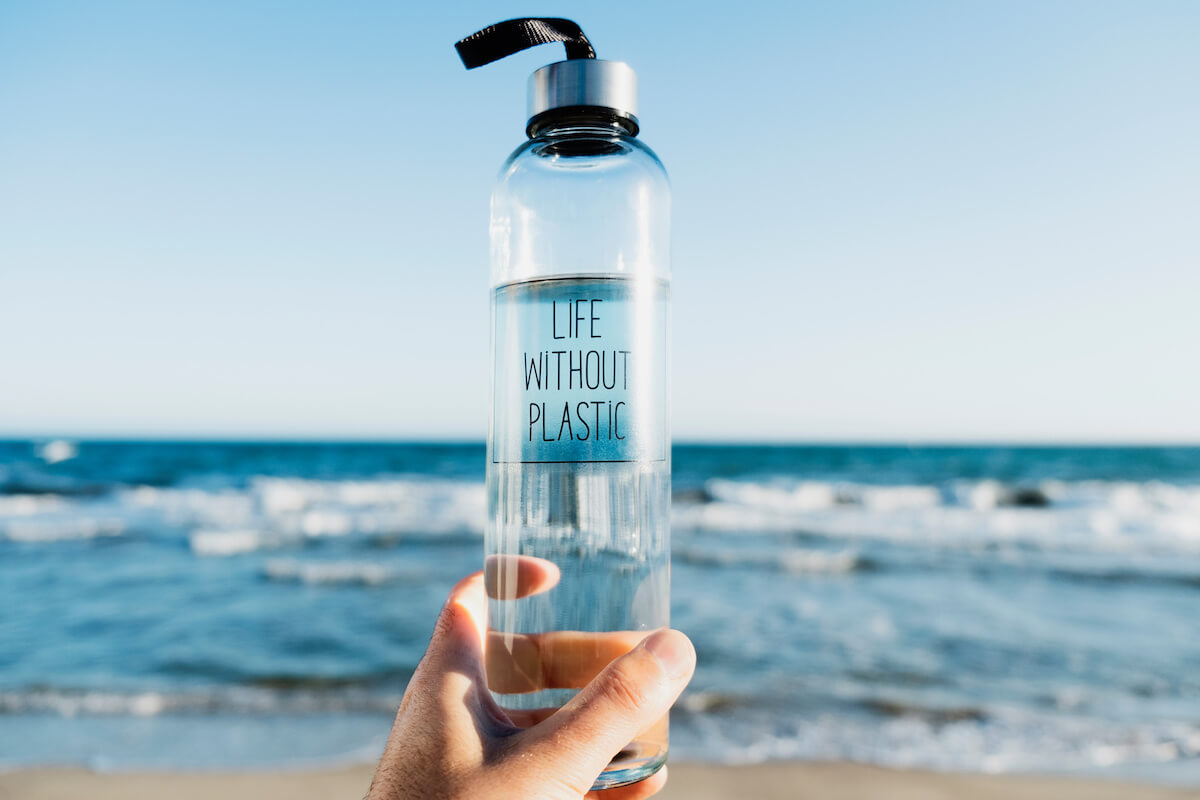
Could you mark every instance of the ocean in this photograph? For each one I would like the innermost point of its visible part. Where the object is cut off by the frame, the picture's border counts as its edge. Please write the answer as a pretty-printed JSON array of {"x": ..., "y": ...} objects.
[{"x": 236, "y": 605}]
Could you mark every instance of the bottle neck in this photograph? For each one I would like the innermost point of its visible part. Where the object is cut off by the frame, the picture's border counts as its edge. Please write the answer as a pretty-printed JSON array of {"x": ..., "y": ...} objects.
[{"x": 581, "y": 121}]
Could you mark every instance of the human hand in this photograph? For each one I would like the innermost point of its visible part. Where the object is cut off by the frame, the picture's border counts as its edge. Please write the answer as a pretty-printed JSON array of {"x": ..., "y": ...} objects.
[{"x": 451, "y": 740}]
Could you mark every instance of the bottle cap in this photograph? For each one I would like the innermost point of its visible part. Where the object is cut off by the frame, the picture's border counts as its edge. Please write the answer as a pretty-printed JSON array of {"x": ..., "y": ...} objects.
[{"x": 584, "y": 83}]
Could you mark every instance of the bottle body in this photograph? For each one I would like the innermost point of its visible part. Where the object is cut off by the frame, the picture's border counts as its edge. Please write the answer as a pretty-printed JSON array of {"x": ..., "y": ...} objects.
[{"x": 578, "y": 464}]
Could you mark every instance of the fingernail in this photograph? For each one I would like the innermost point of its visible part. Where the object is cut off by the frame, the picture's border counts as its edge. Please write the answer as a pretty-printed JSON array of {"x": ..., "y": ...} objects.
[{"x": 673, "y": 650}]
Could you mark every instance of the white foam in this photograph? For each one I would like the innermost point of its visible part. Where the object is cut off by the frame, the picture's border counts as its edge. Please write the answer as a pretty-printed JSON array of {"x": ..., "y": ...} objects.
[
  {"x": 58, "y": 450},
  {"x": 25, "y": 505},
  {"x": 1110, "y": 516},
  {"x": 802, "y": 496},
  {"x": 795, "y": 560},
  {"x": 56, "y": 528},
  {"x": 1004, "y": 742},
  {"x": 404, "y": 504},
  {"x": 228, "y": 543},
  {"x": 273, "y": 512},
  {"x": 985, "y": 495},
  {"x": 72, "y": 703},
  {"x": 1087, "y": 515},
  {"x": 328, "y": 572},
  {"x": 894, "y": 498}
]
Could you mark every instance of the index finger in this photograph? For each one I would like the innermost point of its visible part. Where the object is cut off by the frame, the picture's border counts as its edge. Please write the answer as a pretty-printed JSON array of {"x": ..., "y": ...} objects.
[{"x": 511, "y": 577}]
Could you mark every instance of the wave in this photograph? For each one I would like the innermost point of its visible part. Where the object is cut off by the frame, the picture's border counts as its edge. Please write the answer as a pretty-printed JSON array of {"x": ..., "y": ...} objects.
[
  {"x": 788, "y": 494},
  {"x": 708, "y": 701},
  {"x": 710, "y": 726},
  {"x": 51, "y": 529},
  {"x": 328, "y": 573},
  {"x": 236, "y": 542},
  {"x": 53, "y": 518},
  {"x": 1088, "y": 515},
  {"x": 965, "y": 739},
  {"x": 935, "y": 715},
  {"x": 231, "y": 700},
  {"x": 268, "y": 513},
  {"x": 1149, "y": 576},
  {"x": 795, "y": 561},
  {"x": 812, "y": 561},
  {"x": 229, "y": 543},
  {"x": 816, "y": 495},
  {"x": 57, "y": 450},
  {"x": 272, "y": 513},
  {"x": 276, "y": 512}
]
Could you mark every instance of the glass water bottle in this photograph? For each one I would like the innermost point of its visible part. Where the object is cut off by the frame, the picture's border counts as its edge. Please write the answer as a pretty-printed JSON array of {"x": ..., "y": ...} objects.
[{"x": 578, "y": 456}]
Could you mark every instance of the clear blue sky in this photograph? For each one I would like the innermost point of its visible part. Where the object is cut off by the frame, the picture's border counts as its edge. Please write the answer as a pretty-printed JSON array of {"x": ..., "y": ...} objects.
[{"x": 901, "y": 221}]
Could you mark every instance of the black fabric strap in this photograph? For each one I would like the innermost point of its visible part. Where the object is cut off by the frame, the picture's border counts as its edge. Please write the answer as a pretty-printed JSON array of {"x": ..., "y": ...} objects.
[{"x": 512, "y": 36}]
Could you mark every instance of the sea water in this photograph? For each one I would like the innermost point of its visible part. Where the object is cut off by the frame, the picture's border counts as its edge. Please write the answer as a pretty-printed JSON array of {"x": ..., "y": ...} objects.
[
  {"x": 262, "y": 605},
  {"x": 579, "y": 487}
]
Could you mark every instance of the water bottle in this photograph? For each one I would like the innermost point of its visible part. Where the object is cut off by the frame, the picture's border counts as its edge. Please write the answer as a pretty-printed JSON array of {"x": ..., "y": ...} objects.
[{"x": 578, "y": 458}]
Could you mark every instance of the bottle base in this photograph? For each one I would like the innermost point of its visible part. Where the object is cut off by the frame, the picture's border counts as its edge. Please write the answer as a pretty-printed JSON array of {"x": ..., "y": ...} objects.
[{"x": 629, "y": 767}]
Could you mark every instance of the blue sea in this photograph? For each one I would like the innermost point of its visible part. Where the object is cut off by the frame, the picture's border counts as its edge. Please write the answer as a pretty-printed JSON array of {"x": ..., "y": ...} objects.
[{"x": 235, "y": 605}]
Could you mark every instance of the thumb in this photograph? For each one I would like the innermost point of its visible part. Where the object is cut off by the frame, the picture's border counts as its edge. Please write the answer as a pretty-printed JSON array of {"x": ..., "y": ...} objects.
[
  {"x": 629, "y": 696},
  {"x": 449, "y": 686},
  {"x": 455, "y": 653}
]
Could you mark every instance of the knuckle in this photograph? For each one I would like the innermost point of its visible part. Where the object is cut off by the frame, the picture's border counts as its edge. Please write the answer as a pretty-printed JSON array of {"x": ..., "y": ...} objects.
[
  {"x": 628, "y": 689},
  {"x": 452, "y": 618}
]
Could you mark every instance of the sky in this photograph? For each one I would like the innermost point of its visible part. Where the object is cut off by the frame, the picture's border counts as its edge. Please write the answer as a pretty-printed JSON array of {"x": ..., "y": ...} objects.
[{"x": 893, "y": 221}]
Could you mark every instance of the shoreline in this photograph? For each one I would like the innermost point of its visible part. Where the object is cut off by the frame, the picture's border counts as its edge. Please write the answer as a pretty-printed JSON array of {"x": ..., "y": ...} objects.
[{"x": 825, "y": 780}]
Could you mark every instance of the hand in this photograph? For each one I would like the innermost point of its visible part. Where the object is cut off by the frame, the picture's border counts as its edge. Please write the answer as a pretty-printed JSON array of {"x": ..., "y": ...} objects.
[{"x": 451, "y": 741}]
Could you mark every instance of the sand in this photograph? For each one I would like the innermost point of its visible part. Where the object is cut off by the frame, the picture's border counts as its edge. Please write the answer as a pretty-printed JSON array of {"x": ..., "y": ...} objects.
[{"x": 695, "y": 782}]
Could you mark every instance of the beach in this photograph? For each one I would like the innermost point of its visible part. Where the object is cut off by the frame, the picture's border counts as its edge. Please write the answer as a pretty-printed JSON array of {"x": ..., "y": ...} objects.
[{"x": 828, "y": 781}]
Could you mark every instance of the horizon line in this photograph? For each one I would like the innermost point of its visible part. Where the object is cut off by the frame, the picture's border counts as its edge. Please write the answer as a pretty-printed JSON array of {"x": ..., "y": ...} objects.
[{"x": 915, "y": 442}]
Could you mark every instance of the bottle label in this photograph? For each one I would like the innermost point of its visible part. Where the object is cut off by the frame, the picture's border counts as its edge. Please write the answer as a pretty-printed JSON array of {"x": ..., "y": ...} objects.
[{"x": 579, "y": 371}]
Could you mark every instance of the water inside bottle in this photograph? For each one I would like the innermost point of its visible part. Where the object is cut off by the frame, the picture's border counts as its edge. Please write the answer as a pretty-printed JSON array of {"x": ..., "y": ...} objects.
[{"x": 578, "y": 550}]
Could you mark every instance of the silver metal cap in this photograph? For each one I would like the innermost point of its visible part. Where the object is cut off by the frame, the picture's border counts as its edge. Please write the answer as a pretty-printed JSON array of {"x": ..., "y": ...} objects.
[{"x": 584, "y": 82}]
